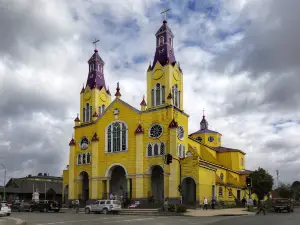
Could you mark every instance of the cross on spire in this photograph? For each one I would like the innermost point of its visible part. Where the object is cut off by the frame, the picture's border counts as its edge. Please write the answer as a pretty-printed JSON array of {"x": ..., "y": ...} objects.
[
  {"x": 165, "y": 12},
  {"x": 95, "y": 43},
  {"x": 203, "y": 112}
]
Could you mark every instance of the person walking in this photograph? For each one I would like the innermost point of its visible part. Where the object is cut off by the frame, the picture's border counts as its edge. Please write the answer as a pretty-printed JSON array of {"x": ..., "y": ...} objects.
[
  {"x": 213, "y": 202},
  {"x": 205, "y": 203},
  {"x": 261, "y": 207}
]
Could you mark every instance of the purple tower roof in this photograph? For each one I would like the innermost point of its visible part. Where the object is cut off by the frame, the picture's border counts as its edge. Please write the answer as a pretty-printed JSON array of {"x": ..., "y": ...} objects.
[
  {"x": 96, "y": 75},
  {"x": 164, "y": 53}
]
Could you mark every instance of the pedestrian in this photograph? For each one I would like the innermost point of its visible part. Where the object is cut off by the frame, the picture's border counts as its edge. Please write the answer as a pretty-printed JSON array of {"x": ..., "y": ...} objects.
[
  {"x": 111, "y": 196},
  {"x": 205, "y": 203},
  {"x": 244, "y": 202},
  {"x": 166, "y": 205},
  {"x": 261, "y": 207},
  {"x": 213, "y": 202}
]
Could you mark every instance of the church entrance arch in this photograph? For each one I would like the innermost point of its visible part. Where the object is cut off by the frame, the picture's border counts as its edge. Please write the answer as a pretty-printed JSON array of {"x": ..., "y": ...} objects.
[
  {"x": 188, "y": 191},
  {"x": 85, "y": 185},
  {"x": 118, "y": 181},
  {"x": 157, "y": 183}
]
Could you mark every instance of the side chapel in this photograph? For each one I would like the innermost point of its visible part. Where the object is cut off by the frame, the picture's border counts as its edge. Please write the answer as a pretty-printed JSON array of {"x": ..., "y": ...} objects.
[{"x": 119, "y": 149}]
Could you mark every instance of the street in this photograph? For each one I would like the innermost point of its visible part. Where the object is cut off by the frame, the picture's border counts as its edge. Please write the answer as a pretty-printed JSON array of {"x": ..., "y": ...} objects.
[{"x": 68, "y": 218}]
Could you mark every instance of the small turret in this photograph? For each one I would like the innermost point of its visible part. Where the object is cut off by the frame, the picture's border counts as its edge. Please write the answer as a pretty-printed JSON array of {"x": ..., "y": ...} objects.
[
  {"x": 118, "y": 94},
  {"x": 203, "y": 123},
  {"x": 143, "y": 104},
  {"x": 77, "y": 120}
]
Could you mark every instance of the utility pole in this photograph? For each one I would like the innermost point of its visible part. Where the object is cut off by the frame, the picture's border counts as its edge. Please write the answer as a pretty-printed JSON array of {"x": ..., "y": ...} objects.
[
  {"x": 4, "y": 190},
  {"x": 277, "y": 178}
]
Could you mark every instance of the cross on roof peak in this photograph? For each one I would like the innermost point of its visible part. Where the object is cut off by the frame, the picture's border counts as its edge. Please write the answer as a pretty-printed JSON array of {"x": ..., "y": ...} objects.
[{"x": 165, "y": 12}]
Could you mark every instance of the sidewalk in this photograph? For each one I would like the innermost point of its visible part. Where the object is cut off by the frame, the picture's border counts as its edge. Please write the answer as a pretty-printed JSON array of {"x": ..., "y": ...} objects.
[
  {"x": 219, "y": 212},
  {"x": 11, "y": 221}
]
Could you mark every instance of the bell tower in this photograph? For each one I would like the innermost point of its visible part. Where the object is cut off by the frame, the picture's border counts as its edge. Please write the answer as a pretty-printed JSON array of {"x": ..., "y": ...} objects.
[
  {"x": 95, "y": 96},
  {"x": 164, "y": 75}
]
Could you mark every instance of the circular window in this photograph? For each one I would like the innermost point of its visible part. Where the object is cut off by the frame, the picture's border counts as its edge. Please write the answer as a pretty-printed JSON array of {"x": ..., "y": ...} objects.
[
  {"x": 155, "y": 131},
  {"x": 84, "y": 143},
  {"x": 199, "y": 139},
  {"x": 210, "y": 139},
  {"x": 180, "y": 132}
]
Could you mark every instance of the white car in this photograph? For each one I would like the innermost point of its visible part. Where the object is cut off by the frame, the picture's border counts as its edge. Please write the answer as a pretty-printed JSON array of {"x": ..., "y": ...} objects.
[
  {"x": 5, "y": 209},
  {"x": 104, "y": 206}
]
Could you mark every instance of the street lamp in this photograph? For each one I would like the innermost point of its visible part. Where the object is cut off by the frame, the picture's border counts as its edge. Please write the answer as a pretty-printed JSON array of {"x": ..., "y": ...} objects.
[{"x": 4, "y": 193}]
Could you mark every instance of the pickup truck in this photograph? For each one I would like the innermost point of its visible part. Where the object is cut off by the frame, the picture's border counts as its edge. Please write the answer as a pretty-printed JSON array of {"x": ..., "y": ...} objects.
[{"x": 282, "y": 204}]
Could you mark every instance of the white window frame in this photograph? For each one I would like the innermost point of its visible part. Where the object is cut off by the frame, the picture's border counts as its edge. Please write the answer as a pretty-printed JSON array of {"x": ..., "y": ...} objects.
[
  {"x": 181, "y": 151},
  {"x": 161, "y": 41},
  {"x": 176, "y": 97},
  {"x": 162, "y": 93},
  {"x": 182, "y": 131},
  {"x": 152, "y": 149},
  {"x": 106, "y": 138}
]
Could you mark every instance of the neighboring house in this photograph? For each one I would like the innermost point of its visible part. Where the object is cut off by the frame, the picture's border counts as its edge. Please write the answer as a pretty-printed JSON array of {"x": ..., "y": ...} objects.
[{"x": 23, "y": 188}]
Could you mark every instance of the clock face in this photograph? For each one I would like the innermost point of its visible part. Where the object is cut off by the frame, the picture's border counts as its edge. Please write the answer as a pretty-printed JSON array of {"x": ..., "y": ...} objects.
[
  {"x": 87, "y": 94},
  {"x": 176, "y": 75},
  {"x": 103, "y": 97},
  {"x": 84, "y": 143},
  {"x": 158, "y": 74}
]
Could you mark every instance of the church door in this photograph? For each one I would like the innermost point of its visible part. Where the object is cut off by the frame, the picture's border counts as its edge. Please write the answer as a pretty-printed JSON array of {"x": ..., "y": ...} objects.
[
  {"x": 188, "y": 191},
  {"x": 157, "y": 184},
  {"x": 85, "y": 185},
  {"x": 118, "y": 182}
]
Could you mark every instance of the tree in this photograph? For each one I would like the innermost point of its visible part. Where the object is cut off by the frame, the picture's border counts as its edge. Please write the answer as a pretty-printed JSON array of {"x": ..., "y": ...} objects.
[
  {"x": 285, "y": 191},
  {"x": 262, "y": 182},
  {"x": 296, "y": 189}
]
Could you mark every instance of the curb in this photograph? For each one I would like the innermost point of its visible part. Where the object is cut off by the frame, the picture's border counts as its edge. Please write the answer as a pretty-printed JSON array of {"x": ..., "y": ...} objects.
[{"x": 17, "y": 221}]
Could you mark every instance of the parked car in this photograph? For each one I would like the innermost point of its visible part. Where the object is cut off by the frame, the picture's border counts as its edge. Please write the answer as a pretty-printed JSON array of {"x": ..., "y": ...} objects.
[
  {"x": 104, "y": 206},
  {"x": 48, "y": 205},
  {"x": 281, "y": 204},
  {"x": 20, "y": 206},
  {"x": 5, "y": 209}
]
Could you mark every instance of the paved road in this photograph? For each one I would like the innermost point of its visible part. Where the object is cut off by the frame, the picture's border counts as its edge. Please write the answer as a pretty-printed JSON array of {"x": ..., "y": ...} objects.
[{"x": 69, "y": 218}]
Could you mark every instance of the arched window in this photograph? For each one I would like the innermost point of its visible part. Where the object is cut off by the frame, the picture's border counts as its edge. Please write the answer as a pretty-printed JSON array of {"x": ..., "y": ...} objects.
[
  {"x": 155, "y": 149},
  {"x": 99, "y": 110},
  {"x": 91, "y": 113},
  {"x": 170, "y": 42},
  {"x": 161, "y": 40},
  {"x": 117, "y": 137},
  {"x": 176, "y": 96},
  {"x": 79, "y": 159},
  {"x": 162, "y": 148},
  {"x": 83, "y": 115},
  {"x": 88, "y": 158},
  {"x": 181, "y": 151},
  {"x": 149, "y": 150},
  {"x": 230, "y": 193},
  {"x": 103, "y": 108},
  {"x": 152, "y": 98},
  {"x": 220, "y": 191},
  {"x": 87, "y": 112},
  {"x": 83, "y": 159},
  {"x": 158, "y": 95}
]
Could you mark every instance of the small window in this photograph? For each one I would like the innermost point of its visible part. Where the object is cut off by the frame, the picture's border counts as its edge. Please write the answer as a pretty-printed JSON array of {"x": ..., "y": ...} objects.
[
  {"x": 220, "y": 191},
  {"x": 230, "y": 193},
  {"x": 108, "y": 202},
  {"x": 102, "y": 202},
  {"x": 149, "y": 150},
  {"x": 155, "y": 149},
  {"x": 211, "y": 139},
  {"x": 99, "y": 67},
  {"x": 222, "y": 176},
  {"x": 162, "y": 148},
  {"x": 161, "y": 40},
  {"x": 170, "y": 42},
  {"x": 199, "y": 139}
]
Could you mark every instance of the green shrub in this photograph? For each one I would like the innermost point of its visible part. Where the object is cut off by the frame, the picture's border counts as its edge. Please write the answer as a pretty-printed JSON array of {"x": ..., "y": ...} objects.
[
  {"x": 181, "y": 209},
  {"x": 171, "y": 207}
]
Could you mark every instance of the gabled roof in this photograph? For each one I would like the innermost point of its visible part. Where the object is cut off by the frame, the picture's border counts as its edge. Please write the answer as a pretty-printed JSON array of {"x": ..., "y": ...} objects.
[{"x": 225, "y": 149}]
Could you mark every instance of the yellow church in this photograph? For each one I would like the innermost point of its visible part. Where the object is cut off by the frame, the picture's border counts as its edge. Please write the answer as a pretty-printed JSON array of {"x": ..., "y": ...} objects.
[{"x": 119, "y": 149}]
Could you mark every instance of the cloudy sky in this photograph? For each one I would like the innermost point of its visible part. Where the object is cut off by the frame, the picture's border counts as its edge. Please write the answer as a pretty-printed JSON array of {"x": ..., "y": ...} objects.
[{"x": 240, "y": 60}]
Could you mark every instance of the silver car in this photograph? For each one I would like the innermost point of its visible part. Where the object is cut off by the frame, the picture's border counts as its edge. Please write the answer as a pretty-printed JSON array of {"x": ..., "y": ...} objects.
[{"x": 104, "y": 206}]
